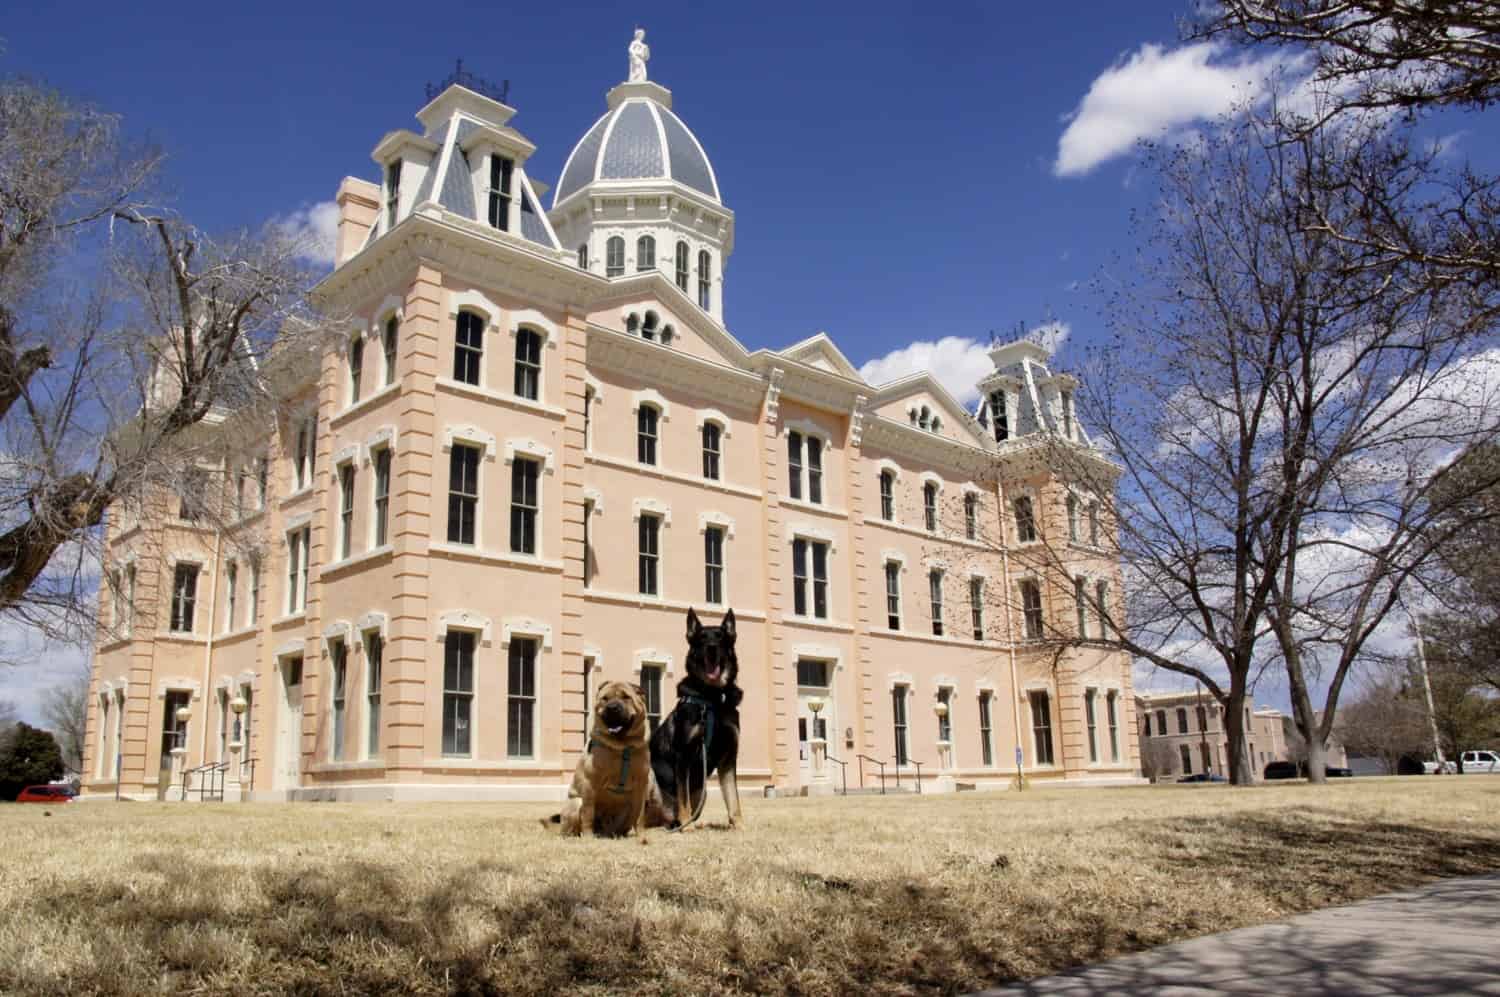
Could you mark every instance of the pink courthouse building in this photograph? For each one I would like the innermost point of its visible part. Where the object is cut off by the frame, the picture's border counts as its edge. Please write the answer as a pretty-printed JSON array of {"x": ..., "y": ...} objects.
[{"x": 540, "y": 445}]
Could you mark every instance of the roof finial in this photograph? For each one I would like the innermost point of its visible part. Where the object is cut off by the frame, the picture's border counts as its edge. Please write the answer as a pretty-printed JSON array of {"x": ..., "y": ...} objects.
[{"x": 639, "y": 53}]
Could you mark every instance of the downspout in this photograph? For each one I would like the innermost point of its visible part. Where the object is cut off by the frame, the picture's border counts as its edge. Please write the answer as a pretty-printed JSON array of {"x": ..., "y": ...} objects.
[{"x": 1010, "y": 636}]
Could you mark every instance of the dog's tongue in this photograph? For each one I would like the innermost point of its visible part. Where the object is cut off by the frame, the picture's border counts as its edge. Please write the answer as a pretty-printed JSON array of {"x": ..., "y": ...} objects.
[{"x": 711, "y": 671}]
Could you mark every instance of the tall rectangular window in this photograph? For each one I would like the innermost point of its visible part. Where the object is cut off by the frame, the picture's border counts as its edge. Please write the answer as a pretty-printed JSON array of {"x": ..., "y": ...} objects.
[
  {"x": 713, "y": 565},
  {"x": 388, "y": 345},
  {"x": 645, "y": 254},
  {"x": 1091, "y": 721},
  {"x": 252, "y": 610},
  {"x": 935, "y": 590},
  {"x": 528, "y": 364},
  {"x": 338, "y": 700},
  {"x": 194, "y": 494},
  {"x": 1025, "y": 521},
  {"x": 999, "y": 418},
  {"x": 705, "y": 278},
  {"x": 1182, "y": 720},
  {"x": 1031, "y": 609},
  {"x": 929, "y": 506},
  {"x": 892, "y": 595},
  {"x": 374, "y": 664},
  {"x": 1080, "y": 586},
  {"x": 976, "y": 607},
  {"x": 682, "y": 266},
  {"x": 1041, "y": 727},
  {"x": 1067, "y": 414},
  {"x": 356, "y": 367},
  {"x": 262, "y": 481},
  {"x": 887, "y": 496},
  {"x": 392, "y": 193},
  {"x": 794, "y": 464},
  {"x": 651, "y": 687},
  {"x": 523, "y": 505},
  {"x": 1101, "y": 606},
  {"x": 945, "y": 720},
  {"x": 898, "y": 718},
  {"x": 346, "y": 510},
  {"x": 614, "y": 257},
  {"x": 1071, "y": 503},
  {"x": 302, "y": 467},
  {"x": 1094, "y": 523},
  {"x": 712, "y": 437},
  {"x": 650, "y": 556},
  {"x": 184, "y": 597},
  {"x": 520, "y": 705},
  {"x": 231, "y": 595},
  {"x": 458, "y": 691},
  {"x": 468, "y": 347},
  {"x": 463, "y": 494},
  {"x": 817, "y": 552},
  {"x": 971, "y": 516},
  {"x": 986, "y": 745},
  {"x": 815, "y": 470},
  {"x": 499, "y": 191},
  {"x": 382, "y": 495},
  {"x": 241, "y": 488},
  {"x": 645, "y": 434},
  {"x": 297, "y": 556}
]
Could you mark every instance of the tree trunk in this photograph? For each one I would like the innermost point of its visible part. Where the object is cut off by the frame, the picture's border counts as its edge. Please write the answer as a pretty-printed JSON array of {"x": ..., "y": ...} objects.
[
  {"x": 1317, "y": 759},
  {"x": 1241, "y": 768}
]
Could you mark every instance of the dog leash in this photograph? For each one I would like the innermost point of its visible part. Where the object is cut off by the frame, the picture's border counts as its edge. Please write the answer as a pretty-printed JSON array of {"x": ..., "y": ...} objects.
[{"x": 708, "y": 736}]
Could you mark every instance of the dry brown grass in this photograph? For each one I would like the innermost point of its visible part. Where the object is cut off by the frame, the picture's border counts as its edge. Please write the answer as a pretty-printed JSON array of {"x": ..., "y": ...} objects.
[{"x": 893, "y": 895}]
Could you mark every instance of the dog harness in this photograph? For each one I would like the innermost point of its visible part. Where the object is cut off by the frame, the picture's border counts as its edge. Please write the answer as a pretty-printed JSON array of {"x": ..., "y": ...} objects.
[
  {"x": 708, "y": 737},
  {"x": 619, "y": 788}
]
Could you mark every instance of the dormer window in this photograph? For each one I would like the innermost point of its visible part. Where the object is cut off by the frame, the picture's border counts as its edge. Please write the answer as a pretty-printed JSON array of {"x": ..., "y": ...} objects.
[
  {"x": 614, "y": 257},
  {"x": 648, "y": 329},
  {"x": 392, "y": 192},
  {"x": 924, "y": 418},
  {"x": 998, "y": 415},
  {"x": 682, "y": 267},
  {"x": 645, "y": 254},
  {"x": 500, "y": 177},
  {"x": 583, "y": 256},
  {"x": 1067, "y": 414}
]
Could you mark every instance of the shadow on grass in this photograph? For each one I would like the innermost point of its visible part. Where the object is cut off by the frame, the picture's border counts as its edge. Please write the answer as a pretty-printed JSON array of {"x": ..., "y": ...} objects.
[{"x": 345, "y": 926}]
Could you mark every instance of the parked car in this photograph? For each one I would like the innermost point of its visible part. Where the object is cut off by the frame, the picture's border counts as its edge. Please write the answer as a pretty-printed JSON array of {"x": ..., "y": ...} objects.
[
  {"x": 1280, "y": 770},
  {"x": 1203, "y": 777},
  {"x": 46, "y": 794},
  {"x": 1338, "y": 772},
  {"x": 1483, "y": 760}
]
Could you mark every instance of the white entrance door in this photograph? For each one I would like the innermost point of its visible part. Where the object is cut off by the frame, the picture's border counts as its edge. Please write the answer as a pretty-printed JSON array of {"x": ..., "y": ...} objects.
[
  {"x": 289, "y": 733},
  {"x": 809, "y": 727}
]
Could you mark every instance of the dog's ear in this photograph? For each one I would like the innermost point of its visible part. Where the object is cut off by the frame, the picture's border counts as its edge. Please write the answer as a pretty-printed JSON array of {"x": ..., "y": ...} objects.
[
  {"x": 728, "y": 625},
  {"x": 693, "y": 626},
  {"x": 638, "y": 690}
]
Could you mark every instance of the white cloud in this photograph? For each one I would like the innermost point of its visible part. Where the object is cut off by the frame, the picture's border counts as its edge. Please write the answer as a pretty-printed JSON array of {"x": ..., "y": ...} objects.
[
  {"x": 958, "y": 362},
  {"x": 30, "y": 664},
  {"x": 1155, "y": 92},
  {"x": 315, "y": 229}
]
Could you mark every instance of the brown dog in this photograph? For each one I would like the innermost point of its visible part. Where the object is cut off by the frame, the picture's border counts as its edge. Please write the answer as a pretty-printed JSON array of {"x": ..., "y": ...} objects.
[{"x": 613, "y": 778}]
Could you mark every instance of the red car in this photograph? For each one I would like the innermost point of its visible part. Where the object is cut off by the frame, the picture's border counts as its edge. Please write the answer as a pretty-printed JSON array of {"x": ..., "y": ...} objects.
[{"x": 46, "y": 794}]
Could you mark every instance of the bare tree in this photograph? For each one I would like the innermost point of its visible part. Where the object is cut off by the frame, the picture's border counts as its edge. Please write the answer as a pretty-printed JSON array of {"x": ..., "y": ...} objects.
[
  {"x": 1385, "y": 720},
  {"x": 65, "y": 709},
  {"x": 101, "y": 388}
]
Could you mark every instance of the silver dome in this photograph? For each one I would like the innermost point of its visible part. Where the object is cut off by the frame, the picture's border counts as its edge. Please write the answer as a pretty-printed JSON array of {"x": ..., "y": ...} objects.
[{"x": 638, "y": 140}]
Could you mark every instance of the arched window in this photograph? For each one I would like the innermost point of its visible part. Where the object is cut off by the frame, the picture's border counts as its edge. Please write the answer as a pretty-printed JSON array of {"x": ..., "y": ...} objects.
[
  {"x": 645, "y": 434},
  {"x": 614, "y": 256},
  {"x": 645, "y": 254},
  {"x": 712, "y": 450},
  {"x": 705, "y": 275},
  {"x": 924, "y": 418},
  {"x": 929, "y": 505},
  {"x": 632, "y": 323},
  {"x": 648, "y": 330},
  {"x": 528, "y": 364},
  {"x": 583, "y": 256},
  {"x": 468, "y": 347},
  {"x": 937, "y": 424},
  {"x": 682, "y": 266},
  {"x": 971, "y": 516},
  {"x": 667, "y": 335},
  {"x": 888, "y": 496}
]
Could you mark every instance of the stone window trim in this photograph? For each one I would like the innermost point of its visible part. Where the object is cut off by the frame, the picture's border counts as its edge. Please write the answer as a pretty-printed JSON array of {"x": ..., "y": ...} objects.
[
  {"x": 932, "y": 561},
  {"x": 713, "y": 415},
  {"x": 470, "y": 435},
  {"x": 1012, "y": 497},
  {"x": 891, "y": 554},
  {"x": 463, "y": 619},
  {"x": 530, "y": 449},
  {"x": 340, "y": 631},
  {"x": 383, "y": 438},
  {"x": 952, "y": 685},
  {"x": 530, "y": 318},
  {"x": 651, "y": 507},
  {"x": 648, "y": 656},
  {"x": 592, "y": 653},
  {"x": 391, "y": 305},
  {"x": 711, "y": 517},
  {"x": 827, "y": 653},
  {"x": 294, "y": 648},
  {"x": 478, "y": 303},
  {"x": 528, "y": 627},
  {"x": 295, "y": 523},
  {"x": 807, "y": 531},
  {"x": 809, "y": 428},
  {"x": 984, "y": 685},
  {"x": 373, "y": 621},
  {"x": 652, "y": 397},
  {"x": 180, "y": 683},
  {"x": 896, "y": 680},
  {"x": 594, "y": 498}
]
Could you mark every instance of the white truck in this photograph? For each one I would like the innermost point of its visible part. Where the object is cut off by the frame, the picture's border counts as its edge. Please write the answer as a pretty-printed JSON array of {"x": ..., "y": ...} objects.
[{"x": 1480, "y": 761}]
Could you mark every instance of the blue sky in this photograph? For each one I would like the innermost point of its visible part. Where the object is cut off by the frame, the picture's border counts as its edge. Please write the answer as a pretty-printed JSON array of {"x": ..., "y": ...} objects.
[{"x": 901, "y": 174}]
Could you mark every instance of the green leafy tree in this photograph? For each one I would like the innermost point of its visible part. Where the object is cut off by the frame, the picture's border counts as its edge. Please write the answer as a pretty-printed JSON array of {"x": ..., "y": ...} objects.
[{"x": 28, "y": 757}]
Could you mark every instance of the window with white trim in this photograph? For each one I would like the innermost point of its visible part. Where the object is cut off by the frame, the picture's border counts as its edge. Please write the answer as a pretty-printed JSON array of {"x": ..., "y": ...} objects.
[
  {"x": 929, "y": 505},
  {"x": 583, "y": 256},
  {"x": 814, "y": 554},
  {"x": 356, "y": 367},
  {"x": 528, "y": 382},
  {"x": 888, "y": 496},
  {"x": 705, "y": 276},
  {"x": 1031, "y": 608},
  {"x": 463, "y": 494},
  {"x": 1072, "y": 506},
  {"x": 898, "y": 722},
  {"x": 649, "y": 556},
  {"x": 338, "y": 701},
  {"x": 388, "y": 342},
  {"x": 231, "y": 593},
  {"x": 935, "y": 591},
  {"x": 458, "y": 691},
  {"x": 298, "y": 544},
  {"x": 588, "y": 420},
  {"x": 651, "y": 689},
  {"x": 1080, "y": 601},
  {"x": 892, "y": 595},
  {"x": 986, "y": 745},
  {"x": 588, "y": 545},
  {"x": 520, "y": 699},
  {"x": 647, "y": 418},
  {"x": 1091, "y": 721},
  {"x": 194, "y": 495},
  {"x": 374, "y": 666},
  {"x": 976, "y": 606},
  {"x": 252, "y": 607},
  {"x": 262, "y": 480},
  {"x": 945, "y": 721},
  {"x": 1067, "y": 414},
  {"x": 468, "y": 347},
  {"x": 501, "y": 173},
  {"x": 184, "y": 598},
  {"x": 1101, "y": 603},
  {"x": 1041, "y": 727},
  {"x": 796, "y": 445},
  {"x": 682, "y": 266},
  {"x": 971, "y": 516},
  {"x": 382, "y": 495},
  {"x": 645, "y": 254},
  {"x": 1025, "y": 520},
  {"x": 523, "y": 505},
  {"x": 346, "y": 509},
  {"x": 712, "y": 440},
  {"x": 713, "y": 565},
  {"x": 1094, "y": 523},
  {"x": 305, "y": 454},
  {"x": 999, "y": 418},
  {"x": 614, "y": 257},
  {"x": 392, "y": 192}
]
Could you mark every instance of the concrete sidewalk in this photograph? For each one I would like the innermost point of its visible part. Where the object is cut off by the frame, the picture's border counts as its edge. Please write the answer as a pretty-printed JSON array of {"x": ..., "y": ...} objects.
[{"x": 1443, "y": 938}]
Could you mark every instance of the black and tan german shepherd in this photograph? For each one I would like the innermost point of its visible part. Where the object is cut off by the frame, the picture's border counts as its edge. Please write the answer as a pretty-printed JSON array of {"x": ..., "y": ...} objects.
[{"x": 701, "y": 735}]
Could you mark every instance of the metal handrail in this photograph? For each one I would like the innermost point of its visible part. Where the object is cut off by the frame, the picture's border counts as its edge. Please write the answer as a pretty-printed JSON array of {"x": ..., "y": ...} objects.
[
  {"x": 843, "y": 770},
  {"x": 917, "y": 765},
  {"x": 243, "y": 793},
  {"x": 875, "y": 761}
]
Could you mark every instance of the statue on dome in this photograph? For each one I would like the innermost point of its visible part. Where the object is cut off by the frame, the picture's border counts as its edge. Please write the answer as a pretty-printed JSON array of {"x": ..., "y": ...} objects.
[{"x": 639, "y": 53}]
